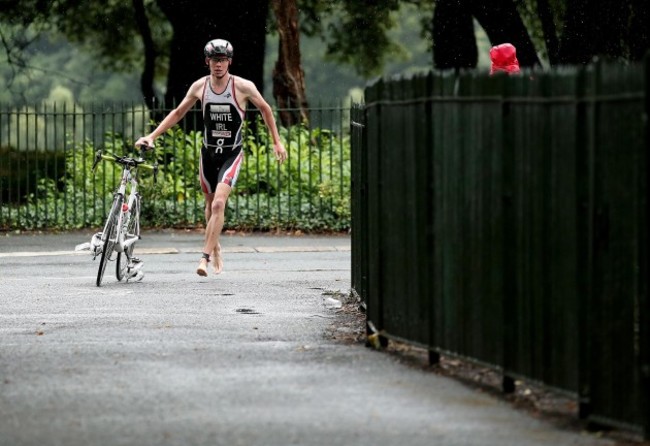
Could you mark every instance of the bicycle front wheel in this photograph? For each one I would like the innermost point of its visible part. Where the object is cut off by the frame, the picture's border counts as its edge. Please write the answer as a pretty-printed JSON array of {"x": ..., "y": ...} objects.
[
  {"x": 109, "y": 237},
  {"x": 132, "y": 232}
]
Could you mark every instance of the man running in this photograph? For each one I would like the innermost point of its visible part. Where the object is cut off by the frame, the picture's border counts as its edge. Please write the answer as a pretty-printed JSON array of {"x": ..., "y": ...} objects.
[{"x": 224, "y": 98}]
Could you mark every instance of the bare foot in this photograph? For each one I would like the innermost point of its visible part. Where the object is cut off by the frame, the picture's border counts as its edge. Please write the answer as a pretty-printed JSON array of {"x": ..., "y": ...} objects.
[
  {"x": 217, "y": 261},
  {"x": 202, "y": 270}
]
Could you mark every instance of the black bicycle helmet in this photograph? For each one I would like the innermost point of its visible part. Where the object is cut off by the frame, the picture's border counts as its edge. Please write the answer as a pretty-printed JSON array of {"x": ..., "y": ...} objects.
[{"x": 218, "y": 48}]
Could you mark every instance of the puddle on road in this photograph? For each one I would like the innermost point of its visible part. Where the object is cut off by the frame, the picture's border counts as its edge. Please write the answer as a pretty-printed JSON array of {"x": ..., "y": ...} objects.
[{"x": 246, "y": 311}]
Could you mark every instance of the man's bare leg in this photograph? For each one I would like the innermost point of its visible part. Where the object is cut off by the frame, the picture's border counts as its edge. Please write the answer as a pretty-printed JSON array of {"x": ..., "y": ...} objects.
[
  {"x": 202, "y": 269},
  {"x": 216, "y": 254},
  {"x": 217, "y": 260},
  {"x": 214, "y": 212}
]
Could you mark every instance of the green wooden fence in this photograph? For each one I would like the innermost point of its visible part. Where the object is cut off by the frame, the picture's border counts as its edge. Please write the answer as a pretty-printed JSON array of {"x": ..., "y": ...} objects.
[
  {"x": 46, "y": 179},
  {"x": 505, "y": 220}
]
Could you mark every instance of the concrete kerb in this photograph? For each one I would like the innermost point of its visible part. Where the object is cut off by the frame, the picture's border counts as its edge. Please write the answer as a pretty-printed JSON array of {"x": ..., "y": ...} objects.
[
  {"x": 171, "y": 242},
  {"x": 171, "y": 250}
]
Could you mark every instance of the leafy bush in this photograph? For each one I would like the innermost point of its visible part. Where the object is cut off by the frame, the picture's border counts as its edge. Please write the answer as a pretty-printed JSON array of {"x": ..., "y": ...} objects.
[{"x": 310, "y": 191}]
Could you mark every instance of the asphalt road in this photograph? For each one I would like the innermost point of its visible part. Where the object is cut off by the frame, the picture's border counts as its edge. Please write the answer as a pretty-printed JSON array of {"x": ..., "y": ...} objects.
[{"x": 236, "y": 359}]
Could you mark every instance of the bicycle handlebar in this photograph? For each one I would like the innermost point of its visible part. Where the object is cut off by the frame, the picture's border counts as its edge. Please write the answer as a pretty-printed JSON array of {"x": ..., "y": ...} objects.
[{"x": 127, "y": 161}]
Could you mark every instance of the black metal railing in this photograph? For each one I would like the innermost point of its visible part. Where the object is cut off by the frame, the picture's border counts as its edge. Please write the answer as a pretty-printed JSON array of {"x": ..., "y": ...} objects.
[
  {"x": 45, "y": 178},
  {"x": 505, "y": 220}
]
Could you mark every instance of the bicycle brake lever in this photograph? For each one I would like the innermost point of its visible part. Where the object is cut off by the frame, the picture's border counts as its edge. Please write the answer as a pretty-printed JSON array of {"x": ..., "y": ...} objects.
[
  {"x": 143, "y": 149},
  {"x": 98, "y": 158}
]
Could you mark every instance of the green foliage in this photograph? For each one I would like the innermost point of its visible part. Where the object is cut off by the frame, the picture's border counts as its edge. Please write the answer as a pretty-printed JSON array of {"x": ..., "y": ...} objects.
[
  {"x": 176, "y": 198},
  {"x": 361, "y": 39},
  {"x": 51, "y": 68},
  {"x": 94, "y": 65},
  {"x": 310, "y": 191},
  {"x": 329, "y": 75}
]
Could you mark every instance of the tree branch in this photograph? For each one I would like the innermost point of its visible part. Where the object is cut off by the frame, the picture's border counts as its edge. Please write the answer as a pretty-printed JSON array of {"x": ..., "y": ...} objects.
[
  {"x": 550, "y": 31},
  {"x": 150, "y": 53},
  {"x": 288, "y": 76}
]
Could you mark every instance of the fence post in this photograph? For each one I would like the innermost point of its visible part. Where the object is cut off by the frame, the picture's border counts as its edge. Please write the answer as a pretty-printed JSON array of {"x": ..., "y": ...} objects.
[
  {"x": 644, "y": 299},
  {"x": 585, "y": 156},
  {"x": 374, "y": 97},
  {"x": 509, "y": 282},
  {"x": 426, "y": 193},
  {"x": 359, "y": 202}
]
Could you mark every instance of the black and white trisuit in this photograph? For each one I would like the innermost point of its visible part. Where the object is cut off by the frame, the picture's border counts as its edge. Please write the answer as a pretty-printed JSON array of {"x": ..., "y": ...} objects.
[{"x": 221, "y": 154}]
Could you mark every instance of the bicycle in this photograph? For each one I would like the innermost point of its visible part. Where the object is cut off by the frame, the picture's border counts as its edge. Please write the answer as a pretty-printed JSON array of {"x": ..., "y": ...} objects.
[{"x": 122, "y": 228}]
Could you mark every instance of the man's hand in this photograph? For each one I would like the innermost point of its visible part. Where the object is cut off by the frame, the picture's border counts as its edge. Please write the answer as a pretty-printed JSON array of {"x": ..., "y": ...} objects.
[
  {"x": 145, "y": 141},
  {"x": 280, "y": 152}
]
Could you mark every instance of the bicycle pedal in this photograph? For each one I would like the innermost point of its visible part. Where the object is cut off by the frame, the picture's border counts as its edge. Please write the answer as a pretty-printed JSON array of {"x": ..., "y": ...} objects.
[
  {"x": 96, "y": 240},
  {"x": 134, "y": 267},
  {"x": 137, "y": 277},
  {"x": 82, "y": 247}
]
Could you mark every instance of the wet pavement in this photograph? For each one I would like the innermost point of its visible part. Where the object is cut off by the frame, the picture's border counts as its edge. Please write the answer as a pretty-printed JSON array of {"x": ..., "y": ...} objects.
[{"x": 242, "y": 358}]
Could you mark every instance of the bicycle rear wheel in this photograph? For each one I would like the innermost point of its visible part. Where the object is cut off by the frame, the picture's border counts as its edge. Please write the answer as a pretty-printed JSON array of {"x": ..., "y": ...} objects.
[
  {"x": 109, "y": 237},
  {"x": 132, "y": 230}
]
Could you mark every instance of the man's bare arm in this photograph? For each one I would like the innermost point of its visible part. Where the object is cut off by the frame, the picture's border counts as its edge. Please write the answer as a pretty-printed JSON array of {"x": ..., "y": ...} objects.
[
  {"x": 193, "y": 95},
  {"x": 252, "y": 93}
]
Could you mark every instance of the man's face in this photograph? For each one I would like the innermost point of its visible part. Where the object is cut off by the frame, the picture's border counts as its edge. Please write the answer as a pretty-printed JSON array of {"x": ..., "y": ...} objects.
[
  {"x": 218, "y": 65},
  {"x": 219, "y": 59}
]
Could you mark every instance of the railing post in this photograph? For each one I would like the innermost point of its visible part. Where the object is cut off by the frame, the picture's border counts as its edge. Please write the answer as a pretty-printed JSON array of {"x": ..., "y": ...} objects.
[
  {"x": 584, "y": 163},
  {"x": 509, "y": 248},
  {"x": 644, "y": 298},
  {"x": 374, "y": 97}
]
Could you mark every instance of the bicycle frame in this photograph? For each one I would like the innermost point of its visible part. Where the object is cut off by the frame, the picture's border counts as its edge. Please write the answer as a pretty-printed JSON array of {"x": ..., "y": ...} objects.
[
  {"x": 122, "y": 227},
  {"x": 129, "y": 178}
]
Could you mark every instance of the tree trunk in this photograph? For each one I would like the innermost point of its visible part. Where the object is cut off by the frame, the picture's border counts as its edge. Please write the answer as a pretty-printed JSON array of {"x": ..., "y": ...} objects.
[
  {"x": 639, "y": 39},
  {"x": 288, "y": 75},
  {"x": 616, "y": 29},
  {"x": 611, "y": 23},
  {"x": 146, "y": 79},
  {"x": 502, "y": 23},
  {"x": 550, "y": 31},
  {"x": 454, "y": 43},
  {"x": 577, "y": 42},
  {"x": 196, "y": 22}
]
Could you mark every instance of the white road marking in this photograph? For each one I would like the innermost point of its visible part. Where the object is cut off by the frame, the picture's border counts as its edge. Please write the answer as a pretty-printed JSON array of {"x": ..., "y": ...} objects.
[{"x": 226, "y": 250}]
